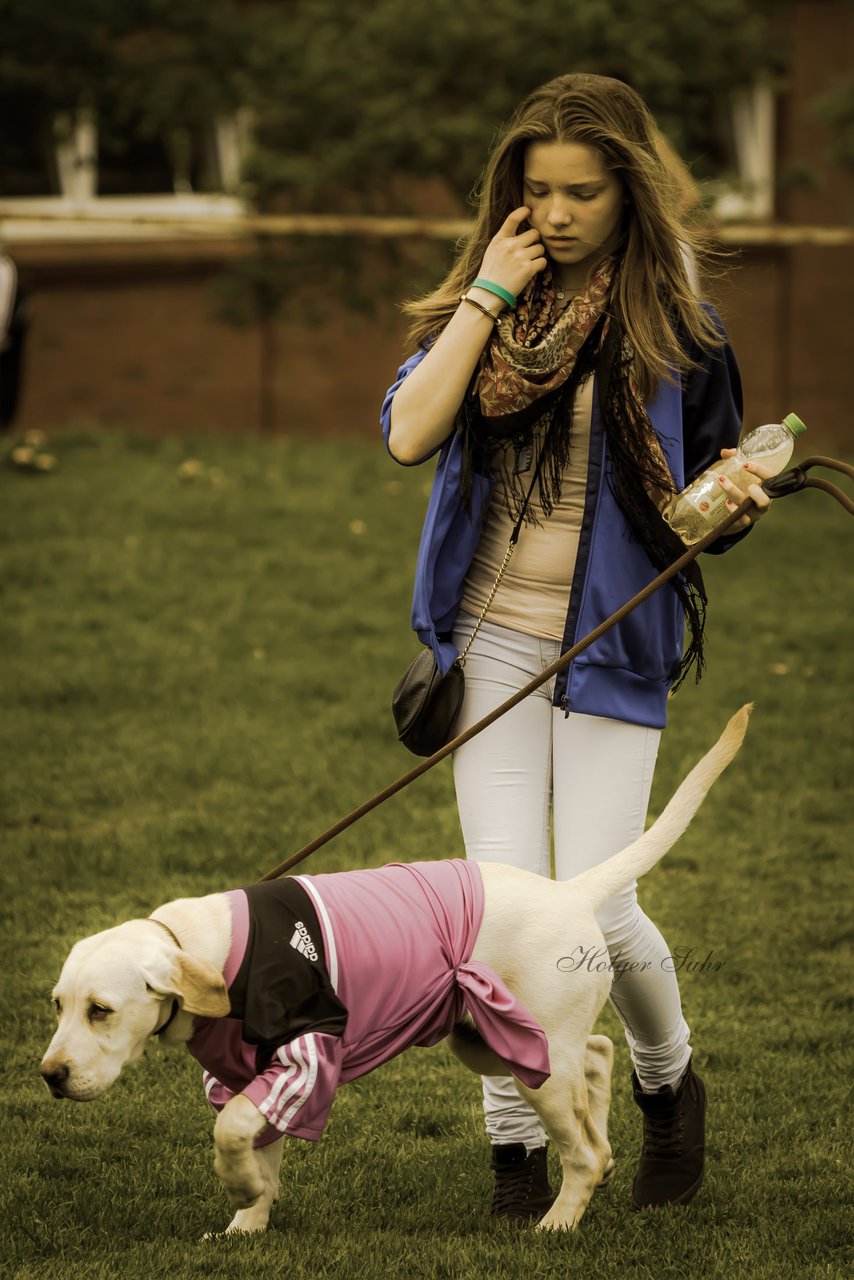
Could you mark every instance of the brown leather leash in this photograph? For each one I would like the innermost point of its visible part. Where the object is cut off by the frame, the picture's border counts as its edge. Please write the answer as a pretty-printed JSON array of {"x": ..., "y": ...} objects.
[{"x": 780, "y": 486}]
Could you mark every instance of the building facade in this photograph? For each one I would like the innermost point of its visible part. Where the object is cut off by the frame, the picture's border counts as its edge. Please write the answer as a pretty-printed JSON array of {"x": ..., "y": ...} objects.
[{"x": 125, "y": 293}]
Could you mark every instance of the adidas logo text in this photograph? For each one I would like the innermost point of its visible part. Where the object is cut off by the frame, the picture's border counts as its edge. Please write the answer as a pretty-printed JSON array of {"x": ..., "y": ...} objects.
[{"x": 301, "y": 942}]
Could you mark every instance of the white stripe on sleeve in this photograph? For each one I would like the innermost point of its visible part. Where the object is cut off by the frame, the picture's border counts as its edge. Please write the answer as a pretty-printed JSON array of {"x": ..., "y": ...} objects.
[
  {"x": 295, "y": 1088},
  {"x": 320, "y": 908},
  {"x": 311, "y": 1049},
  {"x": 285, "y": 1081},
  {"x": 292, "y": 1089}
]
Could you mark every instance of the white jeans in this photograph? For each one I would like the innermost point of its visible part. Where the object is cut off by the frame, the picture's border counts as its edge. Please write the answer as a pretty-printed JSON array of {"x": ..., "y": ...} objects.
[{"x": 591, "y": 778}]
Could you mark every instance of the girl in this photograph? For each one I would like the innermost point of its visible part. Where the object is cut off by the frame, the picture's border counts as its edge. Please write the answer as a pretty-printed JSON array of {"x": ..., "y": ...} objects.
[{"x": 569, "y": 375}]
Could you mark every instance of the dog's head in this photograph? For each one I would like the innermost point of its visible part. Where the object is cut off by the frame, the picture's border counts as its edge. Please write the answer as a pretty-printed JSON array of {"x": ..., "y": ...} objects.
[{"x": 115, "y": 991}]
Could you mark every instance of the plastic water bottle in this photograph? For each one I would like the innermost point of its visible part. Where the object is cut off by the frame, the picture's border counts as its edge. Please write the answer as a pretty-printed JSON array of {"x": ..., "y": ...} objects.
[{"x": 702, "y": 505}]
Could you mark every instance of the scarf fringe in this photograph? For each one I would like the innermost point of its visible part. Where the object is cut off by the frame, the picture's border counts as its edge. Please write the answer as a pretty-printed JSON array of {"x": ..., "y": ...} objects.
[{"x": 639, "y": 470}]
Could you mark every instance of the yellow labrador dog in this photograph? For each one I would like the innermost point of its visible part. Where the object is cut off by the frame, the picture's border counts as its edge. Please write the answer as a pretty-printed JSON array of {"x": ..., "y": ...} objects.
[{"x": 167, "y": 976}]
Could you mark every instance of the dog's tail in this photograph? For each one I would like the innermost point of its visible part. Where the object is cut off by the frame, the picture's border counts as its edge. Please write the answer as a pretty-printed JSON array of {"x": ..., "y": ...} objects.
[{"x": 600, "y": 882}]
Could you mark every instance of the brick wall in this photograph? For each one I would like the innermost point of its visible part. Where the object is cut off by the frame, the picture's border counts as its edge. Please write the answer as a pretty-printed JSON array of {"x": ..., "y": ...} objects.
[{"x": 144, "y": 350}]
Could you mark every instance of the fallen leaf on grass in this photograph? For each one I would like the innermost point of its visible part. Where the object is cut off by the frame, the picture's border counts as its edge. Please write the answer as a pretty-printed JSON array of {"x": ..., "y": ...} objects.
[
  {"x": 26, "y": 457},
  {"x": 191, "y": 469}
]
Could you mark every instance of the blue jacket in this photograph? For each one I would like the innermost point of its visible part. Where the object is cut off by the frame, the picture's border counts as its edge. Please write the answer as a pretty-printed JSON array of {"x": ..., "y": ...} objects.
[{"x": 626, "y": 673}]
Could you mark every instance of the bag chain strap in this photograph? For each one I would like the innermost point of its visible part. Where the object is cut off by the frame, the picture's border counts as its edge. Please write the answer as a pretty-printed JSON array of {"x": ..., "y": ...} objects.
[{"x": 507, "y": 554}]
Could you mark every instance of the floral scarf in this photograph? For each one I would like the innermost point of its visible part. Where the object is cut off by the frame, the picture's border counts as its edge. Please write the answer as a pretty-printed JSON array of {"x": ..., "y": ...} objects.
[
  {"x": 535, "y": 348},
  {"x": 522, "y": 395}
]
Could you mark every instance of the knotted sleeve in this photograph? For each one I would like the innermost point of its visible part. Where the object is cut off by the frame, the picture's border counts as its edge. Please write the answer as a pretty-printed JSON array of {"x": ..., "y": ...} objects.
[{"x": 504, "y": 1023}]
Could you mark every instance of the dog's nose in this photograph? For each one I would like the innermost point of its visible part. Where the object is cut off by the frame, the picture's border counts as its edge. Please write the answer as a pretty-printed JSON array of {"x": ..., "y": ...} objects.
[{"x": 55, "y": 1078}]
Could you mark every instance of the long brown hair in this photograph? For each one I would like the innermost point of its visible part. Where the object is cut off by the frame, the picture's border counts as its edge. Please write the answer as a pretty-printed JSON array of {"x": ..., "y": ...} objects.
[{"x": 655, "y": 302}]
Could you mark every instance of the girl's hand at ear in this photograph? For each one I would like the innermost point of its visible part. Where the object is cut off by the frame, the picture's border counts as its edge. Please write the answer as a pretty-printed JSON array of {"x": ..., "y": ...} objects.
[{"x": 513, "y": 257}]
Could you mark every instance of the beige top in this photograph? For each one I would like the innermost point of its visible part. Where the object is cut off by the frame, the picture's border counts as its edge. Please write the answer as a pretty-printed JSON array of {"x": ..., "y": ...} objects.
[{"x": 534, "y": 592}]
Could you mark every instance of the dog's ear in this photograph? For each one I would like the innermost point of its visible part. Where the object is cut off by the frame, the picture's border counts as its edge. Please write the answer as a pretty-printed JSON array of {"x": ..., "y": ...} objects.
[
  {"x": 200, "y": 987},
  {"x": 197, "y": 983}
]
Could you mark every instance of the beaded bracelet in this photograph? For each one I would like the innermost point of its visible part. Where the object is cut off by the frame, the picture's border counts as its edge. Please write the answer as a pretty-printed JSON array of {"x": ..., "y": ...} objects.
[
  {"x": 473, "y": 302},
  {"x": 497, "y": 289}
]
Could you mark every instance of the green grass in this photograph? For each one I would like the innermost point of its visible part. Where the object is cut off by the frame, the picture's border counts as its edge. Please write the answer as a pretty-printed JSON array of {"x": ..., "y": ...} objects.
[{"x": 196, "y": 680}]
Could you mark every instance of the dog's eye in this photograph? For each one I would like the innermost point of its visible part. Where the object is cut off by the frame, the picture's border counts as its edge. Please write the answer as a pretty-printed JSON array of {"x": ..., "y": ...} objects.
[
  {"x": 57, "y": 1005},
  {"x": 98, "y": 1012}
]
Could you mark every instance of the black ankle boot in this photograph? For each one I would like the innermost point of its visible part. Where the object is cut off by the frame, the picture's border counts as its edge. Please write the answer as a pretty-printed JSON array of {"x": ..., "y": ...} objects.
[
  {"x": 671, "y": 1164},
  {"x": 522, "y": 1188}
]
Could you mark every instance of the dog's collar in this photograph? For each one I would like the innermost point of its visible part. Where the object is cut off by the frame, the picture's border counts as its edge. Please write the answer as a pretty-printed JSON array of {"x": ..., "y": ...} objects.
[
  {"x": 158, "y": 1031},
  {"x": 176, "y": 1005},
  {"x": 172, "y": 935}
]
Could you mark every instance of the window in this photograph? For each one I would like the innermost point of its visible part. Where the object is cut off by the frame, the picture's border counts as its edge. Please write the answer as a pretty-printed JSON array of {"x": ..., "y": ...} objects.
[{"x": 749, "y": 194}]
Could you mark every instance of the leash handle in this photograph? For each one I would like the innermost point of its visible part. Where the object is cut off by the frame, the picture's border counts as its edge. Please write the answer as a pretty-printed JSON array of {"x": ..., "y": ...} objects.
[
  {"x": 559, "y": 663},
  {"x": 795, "y": 479}
]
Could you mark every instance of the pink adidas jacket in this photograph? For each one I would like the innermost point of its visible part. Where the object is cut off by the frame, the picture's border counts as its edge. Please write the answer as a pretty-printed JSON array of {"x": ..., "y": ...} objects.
[{"x": 397, "y": 943}]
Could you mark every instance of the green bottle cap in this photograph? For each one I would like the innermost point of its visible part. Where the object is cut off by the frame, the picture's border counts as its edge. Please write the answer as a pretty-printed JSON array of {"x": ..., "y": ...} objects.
[{"x": 793, "y": 422}]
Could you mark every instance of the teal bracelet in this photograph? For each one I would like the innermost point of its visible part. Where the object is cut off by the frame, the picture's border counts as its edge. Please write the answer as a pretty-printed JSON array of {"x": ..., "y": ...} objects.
[{"x": 504, "y": 294}]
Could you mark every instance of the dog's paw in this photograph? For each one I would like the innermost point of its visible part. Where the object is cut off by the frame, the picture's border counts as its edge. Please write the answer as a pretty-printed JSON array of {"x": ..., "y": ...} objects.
[
  {"x": 245, "y": 1222},
  {"x": 249, "y": 1221},
  {"x": 558, "y": 1221}
]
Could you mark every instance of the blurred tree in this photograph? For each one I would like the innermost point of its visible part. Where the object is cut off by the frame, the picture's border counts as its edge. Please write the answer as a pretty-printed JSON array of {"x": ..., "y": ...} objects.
[
  {"x": 178, "y": 62},
  {"x": 56, "y": 55},
  {"x": 154, "y": 68},
  {"x": 347, "y": 94}
]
